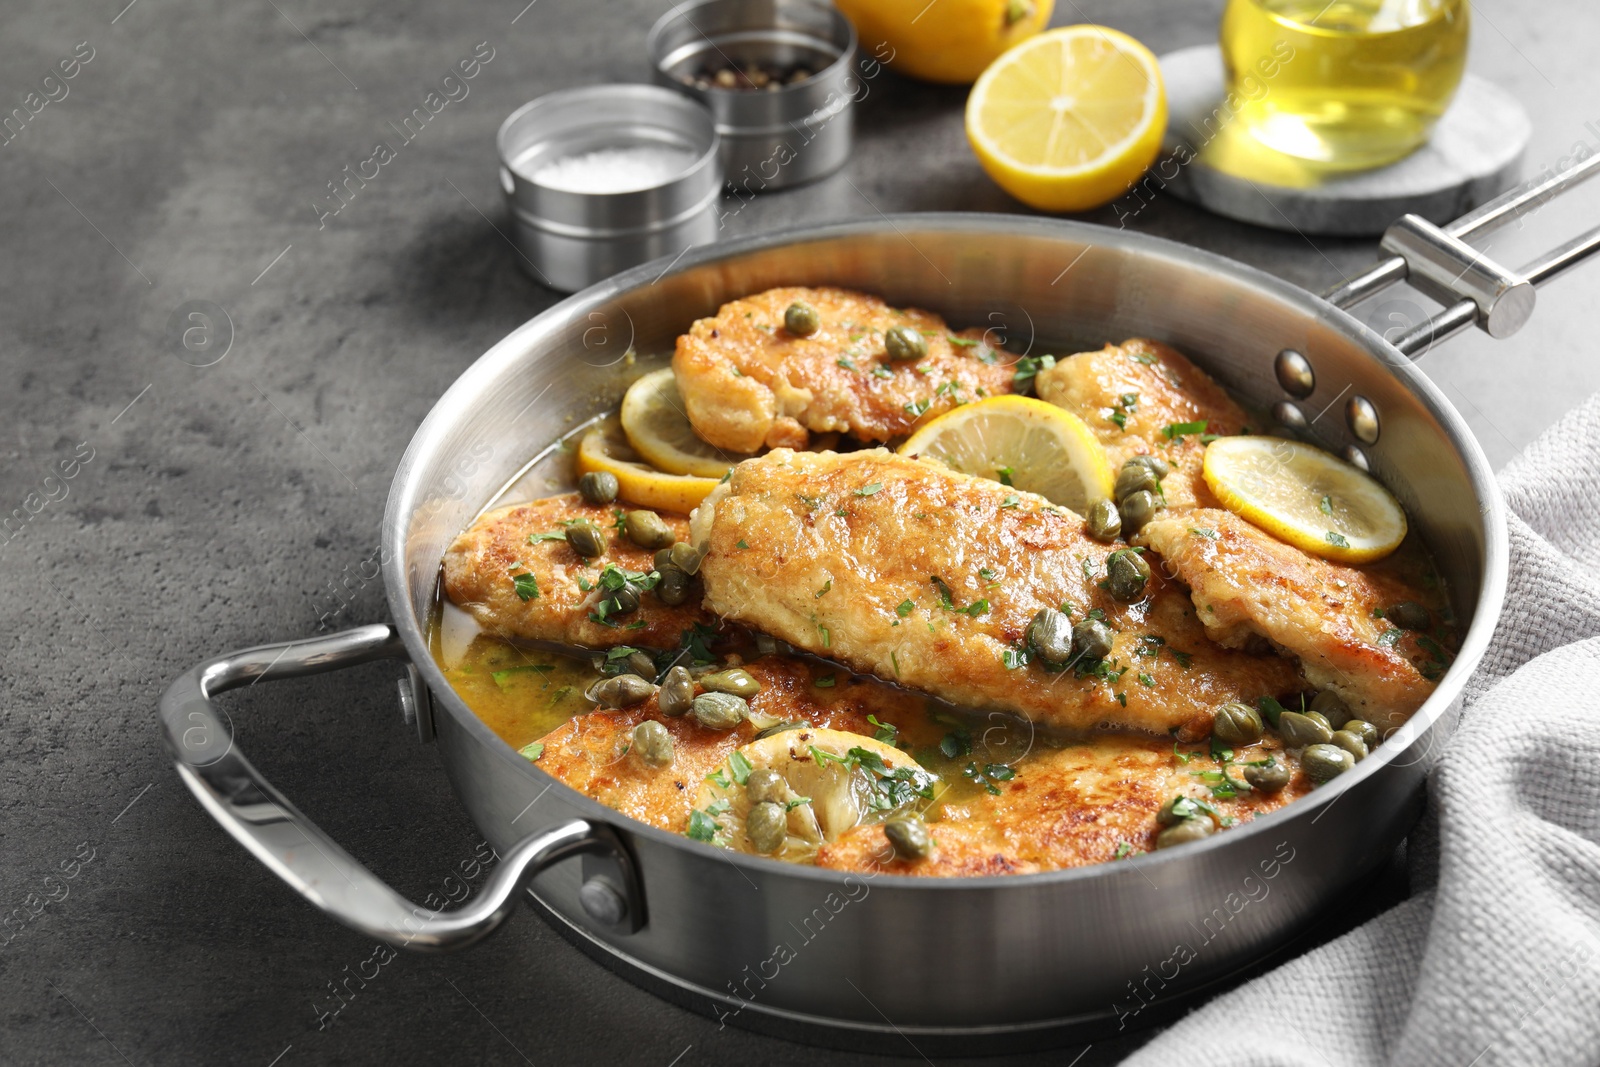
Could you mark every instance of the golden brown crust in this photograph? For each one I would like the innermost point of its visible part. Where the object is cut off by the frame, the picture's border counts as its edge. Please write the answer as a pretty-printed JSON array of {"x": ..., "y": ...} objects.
[
  {"x": 1066, "y": 807},
  {"x": 479, "y": 566},
  {"x": 747, "y": 383},
  {"x": 589, "y": 754},
  {"x": 1247, "y": 583},
  {"x": 1167, "y": 390},
  {"x": 823, "y": 550}
]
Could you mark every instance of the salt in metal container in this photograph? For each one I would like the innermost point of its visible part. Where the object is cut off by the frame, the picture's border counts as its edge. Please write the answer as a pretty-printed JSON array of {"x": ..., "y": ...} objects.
[{"x": 570, "y": 237}]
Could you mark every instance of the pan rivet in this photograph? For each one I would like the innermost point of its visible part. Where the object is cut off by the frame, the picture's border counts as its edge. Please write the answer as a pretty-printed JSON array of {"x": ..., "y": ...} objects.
[
  {"x": 1295, "y": 373},
  {"x": 1362, "y": 415},
  {"x": 1290, "y": 415},
  {"x": 1357, "y": 458},
  {"x": 603, "y": 902}
]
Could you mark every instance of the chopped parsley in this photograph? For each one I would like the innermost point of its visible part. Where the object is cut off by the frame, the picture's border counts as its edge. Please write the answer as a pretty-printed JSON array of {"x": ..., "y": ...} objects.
[
  {"x": 886, "y": 732},
  {"x": 825, "y": 681},
  {"x": 880, "y": 371},
  {"x": 1270, "y": 710},
  {"x": 1146, "y": 681},
  {"x": 827, "y": 637},
  {"x": 868, "y": 490},
  {"x": 531, "y": 752},
  {"x": 1326, "y": 505},
  {"x": 1204, "y": 531},
  {"x": 905, "y": 608},
  {"x": 702, "y": 827},
  {"x": 956, "y": 744},
  {"x": 742, "y": 544},
  {"x": 820, "y": 593},
  {"x": 1147, "y": 358},
  {"x": 1126, "y": 849},
  {"x": 1026, "y": 369},
  {"x": 1174, "y": 430},
  {"x": 553, "y": 535},
  {"x": 845, "y": 363},
  {"x": 919, "y": 407},
  {"x": 1125, "y": 405},
  {"x": 1336, "y": 539},
  {"x": 526, "y": 585},
  {"x": 1010, "y": 502},
  {"x": 961, "y": 342},
  {"x": 740, "y": 766},
  {"x": 1014, "y": 658},
  {"x": 1004, "y": 474},
  {"x": 1389, "y": 638}
]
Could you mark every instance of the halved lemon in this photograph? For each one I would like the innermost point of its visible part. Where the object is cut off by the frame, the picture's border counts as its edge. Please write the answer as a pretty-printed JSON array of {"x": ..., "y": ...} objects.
[
  {"x": 1303, "y": 495},
  {"x": 1066, "y": 120},
  {"x": 654, "y": 420},
  {"x": 1022, "y": 442},
  {"x": 830, "y": 780},
  {"x": 605, "y": 448}
]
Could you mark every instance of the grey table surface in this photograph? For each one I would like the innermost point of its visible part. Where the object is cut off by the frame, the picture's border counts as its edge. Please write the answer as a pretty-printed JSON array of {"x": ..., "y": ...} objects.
[{"x": 222, "y": 504}]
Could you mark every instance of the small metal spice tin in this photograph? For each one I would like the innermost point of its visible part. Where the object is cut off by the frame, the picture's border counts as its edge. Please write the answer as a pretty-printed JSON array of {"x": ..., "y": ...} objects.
[
  {"x": 605, "y": 177},
  {"x": 775, "y": 131}
]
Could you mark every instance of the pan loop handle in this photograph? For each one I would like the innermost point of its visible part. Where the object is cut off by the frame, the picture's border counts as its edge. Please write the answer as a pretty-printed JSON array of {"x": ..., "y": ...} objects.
[
  {"x": 208, "y": 760},
  {"x": 1474, "y": 290}
]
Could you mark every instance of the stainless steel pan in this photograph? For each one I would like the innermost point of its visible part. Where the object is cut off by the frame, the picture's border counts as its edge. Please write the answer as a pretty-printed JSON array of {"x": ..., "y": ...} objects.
[{"x": 974, "y": 964}]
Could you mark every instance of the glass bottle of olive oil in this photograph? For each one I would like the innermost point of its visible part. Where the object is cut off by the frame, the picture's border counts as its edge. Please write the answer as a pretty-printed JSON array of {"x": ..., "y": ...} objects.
[{"x": 1365, "y": 83}]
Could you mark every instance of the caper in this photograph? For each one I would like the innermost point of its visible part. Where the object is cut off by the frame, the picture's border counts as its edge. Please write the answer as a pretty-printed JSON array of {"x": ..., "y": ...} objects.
[
  {"x": 1091, "y": 640},
  {"x": 673, "y": 588},
  {"x": 1126, "y": 574},
  {"x": 677, "y": 692},
  {"x": 663, "y": 559},
  {"x": 1176, "y": 810},
  {"x": 1237, "y": 724},
  {"x": 1364, "y": 730},
  {"x": 1325, "y": 762},
  {"x": 1136, "y": 477},
  {"x": 686, "y": 557},
  {"x": 598, "y": 487},
  {"x": 720, "y": 711},
  {"x": 801, "y": 319},
  {"x": 1408, "y": 615},
  {"x": 782, "y": 728},
  {"x": 1196, "y": 829},
  {"x": 1138, "y": 509},
  {"x": 1158, "y": 467},
  {"x": 1268, "y": 777},
  {"x": 622, "y": 691},
  {"x": 766, "y": 826},
  {"x": 646, "y": 529},
  {"x": 766, "y": 784},
  {"x": 641, "y": 664},
  {"x": 1331, "y": 707},
  {"x": 909, "y": 836},
  {"x": 903, "y": 343},
  {"x": 1104, "y": 521},
  {"x": 652, "y": 743},
  {"x": 623, "y": 601},
  {"x": 1299, "y": 730},
  {"x": 736, "y": 680},
  {"x": 1351, "y": 743},
  {"x": 1050, "y": 638},
  {"x": 586, "y": 540},
  {"x": 1319, "y": 718}
]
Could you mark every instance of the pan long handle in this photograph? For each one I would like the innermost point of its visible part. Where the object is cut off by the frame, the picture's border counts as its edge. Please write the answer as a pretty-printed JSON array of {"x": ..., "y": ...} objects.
[
  {"x": 1475, "y": 290},
  {"x": 292, "y": 846}
]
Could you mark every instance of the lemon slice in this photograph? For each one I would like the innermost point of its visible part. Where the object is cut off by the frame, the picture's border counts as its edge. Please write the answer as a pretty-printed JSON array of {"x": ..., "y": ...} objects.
[
  {"x": 605, "y": 448},
  {"x": 854, "y": 779},
  {"x": 1066, "y": 120},
  {"x": 1022, "y": 441},
  {"x": 654, "y": 420},
  {"x": 1303, "y": 495}
]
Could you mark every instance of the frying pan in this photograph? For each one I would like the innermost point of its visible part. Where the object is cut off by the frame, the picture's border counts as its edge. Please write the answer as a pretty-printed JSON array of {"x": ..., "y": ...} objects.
[{"x": 862, "y": 961}]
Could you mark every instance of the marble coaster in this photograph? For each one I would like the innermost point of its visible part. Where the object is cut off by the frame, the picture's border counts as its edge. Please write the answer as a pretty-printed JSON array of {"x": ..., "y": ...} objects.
[{"x": 1474, "y": 154}]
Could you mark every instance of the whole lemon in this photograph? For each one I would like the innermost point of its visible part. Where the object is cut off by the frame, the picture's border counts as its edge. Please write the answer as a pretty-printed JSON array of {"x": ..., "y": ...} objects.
[{"x": 944, "y": 40}]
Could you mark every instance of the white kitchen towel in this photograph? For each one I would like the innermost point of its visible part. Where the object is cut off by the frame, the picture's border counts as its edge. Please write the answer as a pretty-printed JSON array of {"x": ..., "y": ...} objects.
[{"x": 1499, "y": 961}]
